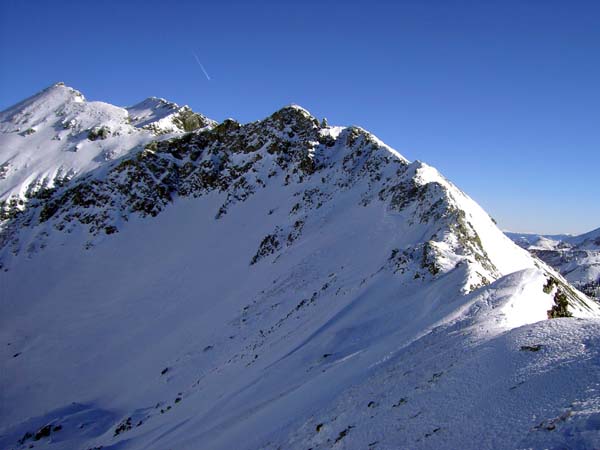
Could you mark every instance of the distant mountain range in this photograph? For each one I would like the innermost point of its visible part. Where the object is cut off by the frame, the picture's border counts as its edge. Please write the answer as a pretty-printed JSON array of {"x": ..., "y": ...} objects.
[
  {"x": 577, "y": 258},
  {"x": 173, "y": 282}
]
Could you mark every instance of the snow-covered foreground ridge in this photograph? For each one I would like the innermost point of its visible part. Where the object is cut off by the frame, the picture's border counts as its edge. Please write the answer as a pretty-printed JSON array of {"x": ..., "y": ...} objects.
[{"x": 278, "y": 284}]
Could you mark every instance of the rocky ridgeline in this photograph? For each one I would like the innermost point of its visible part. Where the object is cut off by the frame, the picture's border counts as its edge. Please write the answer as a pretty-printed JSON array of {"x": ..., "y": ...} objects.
[
  {"x": 289, "y": 148},
  {"x": 57, "y": 135}
]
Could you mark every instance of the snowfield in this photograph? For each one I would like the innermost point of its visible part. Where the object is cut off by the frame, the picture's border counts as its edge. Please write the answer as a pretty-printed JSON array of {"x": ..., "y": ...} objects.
[{"x": 280, "y": 284}]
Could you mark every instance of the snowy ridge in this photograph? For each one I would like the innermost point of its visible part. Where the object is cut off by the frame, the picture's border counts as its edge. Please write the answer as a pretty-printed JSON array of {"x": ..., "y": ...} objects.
[
  {"x": 472, "y": 383},
  {"x": 283, "y": 284},
  {"x": 163, "y": 117},
  {"x": 151, "y": 110},
  {"x": 590, "y": 239},
  {"x": 56, "y": 135}
]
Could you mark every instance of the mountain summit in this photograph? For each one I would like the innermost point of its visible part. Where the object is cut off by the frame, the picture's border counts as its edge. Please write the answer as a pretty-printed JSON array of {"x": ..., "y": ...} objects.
[
  {"x": 57, "y": 134},
  {"x": 277, "y": 284}
]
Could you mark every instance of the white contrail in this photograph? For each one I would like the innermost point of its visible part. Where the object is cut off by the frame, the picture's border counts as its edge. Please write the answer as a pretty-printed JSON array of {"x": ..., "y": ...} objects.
[{"x": 201, "y": 66}]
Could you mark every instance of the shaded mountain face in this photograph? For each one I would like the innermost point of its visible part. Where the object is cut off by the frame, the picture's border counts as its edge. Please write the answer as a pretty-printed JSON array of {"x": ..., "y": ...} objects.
[
  {"x": 577, "y": 258},
  {"x": 282, "y": 283}
]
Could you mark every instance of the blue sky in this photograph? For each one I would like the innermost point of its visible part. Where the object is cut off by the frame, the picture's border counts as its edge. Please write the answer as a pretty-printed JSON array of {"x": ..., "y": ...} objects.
[{"x": 502, "y": 97}]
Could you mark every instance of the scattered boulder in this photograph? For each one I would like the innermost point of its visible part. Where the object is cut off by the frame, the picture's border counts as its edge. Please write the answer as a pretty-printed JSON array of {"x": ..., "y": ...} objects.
[
  {"x": 125, "y": 425},
  {"x": 531, "y": 348}
]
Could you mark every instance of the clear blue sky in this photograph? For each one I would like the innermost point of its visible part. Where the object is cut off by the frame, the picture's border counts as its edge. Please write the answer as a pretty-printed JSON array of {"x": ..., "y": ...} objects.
[{"x": 502, "y": 97}]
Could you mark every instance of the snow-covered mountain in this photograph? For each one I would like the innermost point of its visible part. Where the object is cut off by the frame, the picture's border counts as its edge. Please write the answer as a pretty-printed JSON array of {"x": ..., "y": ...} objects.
[
  {"x": 279, "y": 284},
  {"x": 56, "y": 134},
  {"x": 577, "y": 258},
  {"x": 526, "y": 240}
]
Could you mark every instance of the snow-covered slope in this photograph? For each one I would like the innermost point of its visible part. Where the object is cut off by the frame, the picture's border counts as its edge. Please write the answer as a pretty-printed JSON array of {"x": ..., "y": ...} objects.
[
  {"x": 590, "y": 239},
  {"x": 526, "y": 239},
  {"x": 283, "y": 284},
  {"x": 163, "y": 117},
  {"x": 56, "y": 135},
  {"x": 577, "y": 258}
]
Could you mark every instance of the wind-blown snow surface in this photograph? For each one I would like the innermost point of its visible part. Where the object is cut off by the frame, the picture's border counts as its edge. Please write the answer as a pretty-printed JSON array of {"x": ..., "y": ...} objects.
[{"x": 283, "y": 284}]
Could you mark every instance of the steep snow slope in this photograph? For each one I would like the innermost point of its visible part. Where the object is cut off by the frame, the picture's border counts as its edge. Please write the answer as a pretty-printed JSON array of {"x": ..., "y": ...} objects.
[
  {"x": 577, "y": 258},
  {"x": 530, "y": 387},
  {"x": 257, "y": 286}
]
